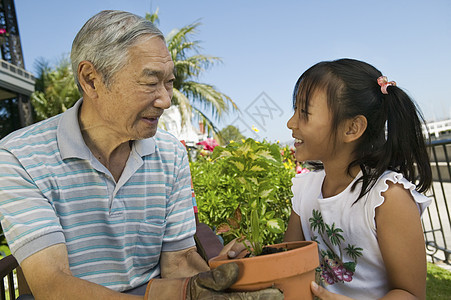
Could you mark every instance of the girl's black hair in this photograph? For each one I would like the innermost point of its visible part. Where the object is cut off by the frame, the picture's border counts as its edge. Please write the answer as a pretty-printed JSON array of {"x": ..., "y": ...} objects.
[{"x": 393, "y": 139}]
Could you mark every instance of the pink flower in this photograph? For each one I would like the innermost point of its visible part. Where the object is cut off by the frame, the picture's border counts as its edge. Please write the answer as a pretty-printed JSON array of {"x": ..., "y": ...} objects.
[
  {"x": 347, "y": 276},
  {"x": 209, "y": 144},
  {"x": 2, "y": 30},
  {"x": 301, "y": 170},
  {"x": 328, "y": 277}
]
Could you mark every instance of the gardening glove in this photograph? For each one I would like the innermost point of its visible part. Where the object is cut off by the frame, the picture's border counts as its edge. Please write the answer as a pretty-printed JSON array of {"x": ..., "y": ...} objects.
[{"x": 208, "y": 285}]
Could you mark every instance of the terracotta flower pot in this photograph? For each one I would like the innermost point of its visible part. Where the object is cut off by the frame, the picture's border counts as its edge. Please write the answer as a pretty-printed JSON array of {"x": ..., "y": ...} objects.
[{"x": 290, "y": 271}]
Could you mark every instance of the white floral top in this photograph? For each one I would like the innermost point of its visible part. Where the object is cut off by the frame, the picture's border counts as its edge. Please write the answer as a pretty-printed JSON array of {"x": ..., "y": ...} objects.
[{"x": 351, "y": 262}]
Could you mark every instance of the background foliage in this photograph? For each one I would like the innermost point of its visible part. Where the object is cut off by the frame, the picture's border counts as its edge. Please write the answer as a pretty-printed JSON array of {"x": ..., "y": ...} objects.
[{"x": 55, "y": 89}]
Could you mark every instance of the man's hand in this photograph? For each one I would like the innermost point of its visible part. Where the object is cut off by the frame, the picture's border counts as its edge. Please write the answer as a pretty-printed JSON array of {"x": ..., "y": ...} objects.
[
  {"x": 209, "y": 285},
  {"x": 182, "y": 263}
]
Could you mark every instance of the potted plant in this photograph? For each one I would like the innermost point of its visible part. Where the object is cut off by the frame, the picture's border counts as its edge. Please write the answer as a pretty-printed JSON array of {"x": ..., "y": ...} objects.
[{"x": 293, "y": 268}]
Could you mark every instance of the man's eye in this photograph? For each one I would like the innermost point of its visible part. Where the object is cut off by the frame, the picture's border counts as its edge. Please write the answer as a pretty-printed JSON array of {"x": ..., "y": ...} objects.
[{"x": 151, "y": 83}]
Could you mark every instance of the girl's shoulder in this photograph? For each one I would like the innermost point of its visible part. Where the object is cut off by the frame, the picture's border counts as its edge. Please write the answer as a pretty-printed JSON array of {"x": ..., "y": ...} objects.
[
  {"x": 383, "y": 184},
  {"x": 308, "y": 178},
  {"x": 303, "y": 182}
]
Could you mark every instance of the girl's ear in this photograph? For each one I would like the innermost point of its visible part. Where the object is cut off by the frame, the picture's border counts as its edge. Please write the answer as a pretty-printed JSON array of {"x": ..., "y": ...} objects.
[
  {"x": 355, "y": 128},
  {"x": 89, "y": 79}
]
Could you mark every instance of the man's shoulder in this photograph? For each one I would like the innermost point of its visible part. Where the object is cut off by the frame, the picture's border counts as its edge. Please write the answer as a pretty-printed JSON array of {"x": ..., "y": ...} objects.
[
  {"x": 165, "y": 140},
  {"x": 39, "y": 133}
]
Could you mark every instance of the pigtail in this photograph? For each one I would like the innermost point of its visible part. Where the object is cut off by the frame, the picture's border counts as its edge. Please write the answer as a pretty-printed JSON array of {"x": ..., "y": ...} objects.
[{"x": 405, "y": 147}]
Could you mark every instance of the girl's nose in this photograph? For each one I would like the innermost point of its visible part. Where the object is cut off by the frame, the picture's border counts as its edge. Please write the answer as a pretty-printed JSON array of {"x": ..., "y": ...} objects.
[{"x": 291, "y": 122}]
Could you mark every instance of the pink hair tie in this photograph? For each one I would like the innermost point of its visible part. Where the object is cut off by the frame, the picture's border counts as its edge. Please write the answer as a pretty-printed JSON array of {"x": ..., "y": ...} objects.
[{"x": 384, "y": 83}]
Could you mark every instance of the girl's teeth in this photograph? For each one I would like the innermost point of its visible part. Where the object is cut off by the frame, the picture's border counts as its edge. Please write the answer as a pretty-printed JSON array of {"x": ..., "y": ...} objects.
[{"x": 298, "y": 141}]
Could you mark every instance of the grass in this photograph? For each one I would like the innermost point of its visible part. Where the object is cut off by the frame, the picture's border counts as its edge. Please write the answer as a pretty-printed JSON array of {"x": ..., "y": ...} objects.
[
  {"x": 438, "y": 283},
  {"x": 4, "y": 250}
]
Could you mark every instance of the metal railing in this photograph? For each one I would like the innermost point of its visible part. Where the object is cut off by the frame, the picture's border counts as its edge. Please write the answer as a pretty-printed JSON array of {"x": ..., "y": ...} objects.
[{"x": 436, "y": 219}]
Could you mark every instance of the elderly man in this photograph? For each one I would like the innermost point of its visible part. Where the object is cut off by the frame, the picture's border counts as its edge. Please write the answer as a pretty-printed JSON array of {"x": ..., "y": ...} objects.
[{"x": 97, "y": 201}]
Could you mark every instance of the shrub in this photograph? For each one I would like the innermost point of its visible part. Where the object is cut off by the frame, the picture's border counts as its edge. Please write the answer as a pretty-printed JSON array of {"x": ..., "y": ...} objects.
[{"x": 234, "y": 175}]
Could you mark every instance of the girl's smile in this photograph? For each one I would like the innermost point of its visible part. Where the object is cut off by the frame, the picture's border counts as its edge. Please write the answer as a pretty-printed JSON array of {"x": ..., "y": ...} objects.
[{"x": 311, "y": 132}]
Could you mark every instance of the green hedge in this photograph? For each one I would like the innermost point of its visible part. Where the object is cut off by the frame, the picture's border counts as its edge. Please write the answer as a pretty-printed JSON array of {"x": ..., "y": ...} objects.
[{"x": 218, "y": 193}]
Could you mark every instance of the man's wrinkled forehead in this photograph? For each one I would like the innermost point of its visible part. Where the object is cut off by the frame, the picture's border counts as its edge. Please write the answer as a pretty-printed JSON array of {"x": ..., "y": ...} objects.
[{"x": 157, "y": 73}]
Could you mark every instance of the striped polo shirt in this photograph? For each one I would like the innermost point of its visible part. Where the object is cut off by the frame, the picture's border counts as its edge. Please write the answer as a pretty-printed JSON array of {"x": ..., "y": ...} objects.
[{"x": 53, "y": 190}]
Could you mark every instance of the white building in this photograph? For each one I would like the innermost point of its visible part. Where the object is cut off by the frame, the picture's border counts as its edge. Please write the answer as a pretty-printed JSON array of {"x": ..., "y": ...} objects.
[
  {"x": 171, "y": 121},
  {"x": 437, "y": 128}
]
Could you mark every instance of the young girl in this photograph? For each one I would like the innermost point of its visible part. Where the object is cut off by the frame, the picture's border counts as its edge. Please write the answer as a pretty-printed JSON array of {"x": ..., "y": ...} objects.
[{"x": 362, "y": 207}]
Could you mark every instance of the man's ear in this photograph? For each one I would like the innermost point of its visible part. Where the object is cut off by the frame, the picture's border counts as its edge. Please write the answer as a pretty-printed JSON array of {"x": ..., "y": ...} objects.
[
  {"x": 355, "y": 128},
  {"x": 89, "y": 79}
]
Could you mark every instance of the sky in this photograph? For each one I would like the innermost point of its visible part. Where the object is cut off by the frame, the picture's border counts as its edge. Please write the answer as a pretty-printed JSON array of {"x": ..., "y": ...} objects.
[{"x": 266, "y": 45}]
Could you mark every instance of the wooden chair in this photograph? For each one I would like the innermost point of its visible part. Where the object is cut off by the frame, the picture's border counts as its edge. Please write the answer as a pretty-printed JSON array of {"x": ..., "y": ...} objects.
[
  {"x": 207, "y": 242},
  {"x": 7, "y": 266}
]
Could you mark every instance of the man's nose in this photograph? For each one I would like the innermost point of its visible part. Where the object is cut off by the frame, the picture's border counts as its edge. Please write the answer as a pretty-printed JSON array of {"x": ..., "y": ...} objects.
[{"x": 164, "y": 98}]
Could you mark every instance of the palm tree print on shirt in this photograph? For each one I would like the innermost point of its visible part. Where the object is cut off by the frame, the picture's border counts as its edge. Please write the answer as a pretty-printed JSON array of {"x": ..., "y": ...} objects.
[{"x": 332, "y": 268}]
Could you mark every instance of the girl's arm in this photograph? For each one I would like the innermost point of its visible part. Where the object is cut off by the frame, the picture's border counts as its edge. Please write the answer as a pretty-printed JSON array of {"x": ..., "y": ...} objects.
[
  {"x": 294, "y": 229},
  {"x": 400, "y": 238}
]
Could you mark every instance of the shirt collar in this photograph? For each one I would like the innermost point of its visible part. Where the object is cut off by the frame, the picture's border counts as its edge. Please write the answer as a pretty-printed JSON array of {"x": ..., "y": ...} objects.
[
  {"x": 72, "y": 145},
  {"x": 70, "y": 140}
]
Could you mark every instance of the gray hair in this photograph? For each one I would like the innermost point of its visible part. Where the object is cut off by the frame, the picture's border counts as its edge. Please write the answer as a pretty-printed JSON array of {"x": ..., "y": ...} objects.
[{"x": 105, "y": 39}]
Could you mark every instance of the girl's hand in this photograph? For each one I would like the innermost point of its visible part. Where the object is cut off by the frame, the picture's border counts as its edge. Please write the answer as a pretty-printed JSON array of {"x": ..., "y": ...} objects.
[
  {"x": 233, "y": 249},
  {"x": 324, "y": 294}
]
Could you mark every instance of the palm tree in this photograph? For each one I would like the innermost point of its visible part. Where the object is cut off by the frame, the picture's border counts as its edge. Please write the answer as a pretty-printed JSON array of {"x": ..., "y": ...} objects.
[
  {"x": 354, "y": 252},
  {"x": 55, "y": 89},
  {"x": 316, "y": 222},
  {"x": 334, "y": 234},
  {"x": 192, "y": 98}
]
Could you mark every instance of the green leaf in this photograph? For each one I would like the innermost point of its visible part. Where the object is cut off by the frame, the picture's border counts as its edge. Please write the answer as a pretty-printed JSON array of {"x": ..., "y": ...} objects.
[
  {"x": 270, "y": 214},
  {"x": 253, "y": 204},
  {"x": 267, "y": 155},
  {"x": 275, "y": 225},
  {"x": 256, "y": 168},
  {"x": 241, "y": 180},
  {"x": 350, "y": 266},
  {"x": 238, "y": 165},
  {"x": 265, "y": 193},
  {"x": 254, "y": 237},
  {"x": 253, "y": 180}
]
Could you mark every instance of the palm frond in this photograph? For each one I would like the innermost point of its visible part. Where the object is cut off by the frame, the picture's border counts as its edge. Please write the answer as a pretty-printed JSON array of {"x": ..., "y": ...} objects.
[
  {"x": 183, "y": 105},
  {"x": 154, "y": 18},
  {"x": 194, "y": 99}
]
